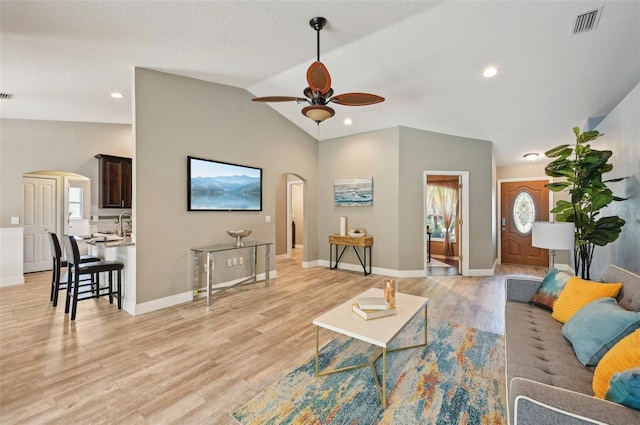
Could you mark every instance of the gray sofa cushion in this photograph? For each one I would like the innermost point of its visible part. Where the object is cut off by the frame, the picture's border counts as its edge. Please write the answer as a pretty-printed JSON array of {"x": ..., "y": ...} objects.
[{"x": 537, "y": 350}]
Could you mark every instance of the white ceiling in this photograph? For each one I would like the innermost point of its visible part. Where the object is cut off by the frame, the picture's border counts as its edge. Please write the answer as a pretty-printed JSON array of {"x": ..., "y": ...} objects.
[{"x": 61, "y": 60}]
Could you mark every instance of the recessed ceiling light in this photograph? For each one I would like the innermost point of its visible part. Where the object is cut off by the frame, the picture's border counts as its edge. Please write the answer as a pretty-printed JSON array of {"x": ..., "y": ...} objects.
[
  {"x": 531, "y": 156},
  {"x": 117, "y": 95},
  {"x": 490, "y": 72},
  {"x": 347, "y": 121}
]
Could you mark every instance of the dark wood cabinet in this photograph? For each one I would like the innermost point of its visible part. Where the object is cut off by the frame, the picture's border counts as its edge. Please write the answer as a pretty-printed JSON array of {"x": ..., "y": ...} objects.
[{"x": 114, "y": 176}]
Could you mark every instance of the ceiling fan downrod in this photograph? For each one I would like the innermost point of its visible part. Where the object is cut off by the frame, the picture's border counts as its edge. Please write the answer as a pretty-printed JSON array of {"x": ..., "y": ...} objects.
[{"x": 317, "y": 24}]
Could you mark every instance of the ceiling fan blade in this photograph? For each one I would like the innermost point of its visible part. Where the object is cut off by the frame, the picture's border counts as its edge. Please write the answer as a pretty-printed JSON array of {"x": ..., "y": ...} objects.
[
  {"x": 279, "y": 99},
  {"x": 318, "y": 78},
  {"x": 357, "y": 99}
]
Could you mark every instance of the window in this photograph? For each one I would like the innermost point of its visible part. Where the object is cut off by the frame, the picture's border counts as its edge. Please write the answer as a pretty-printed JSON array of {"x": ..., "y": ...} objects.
[
  {"x": 435, "y": 219},
  {"x": 75, "y": 203},
  {"x": 524, "y": 212}
]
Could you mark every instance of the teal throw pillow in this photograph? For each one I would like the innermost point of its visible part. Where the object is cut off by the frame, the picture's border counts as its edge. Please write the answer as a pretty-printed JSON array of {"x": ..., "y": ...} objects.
[
  {"x": 625, "y": 388},
  {"x": 597, "y": 326},
  {"x": 552, "y": 284}
]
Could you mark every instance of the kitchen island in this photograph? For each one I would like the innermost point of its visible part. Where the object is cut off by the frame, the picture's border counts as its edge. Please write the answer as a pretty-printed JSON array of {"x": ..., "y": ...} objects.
[{"x": 122, "y": 250}]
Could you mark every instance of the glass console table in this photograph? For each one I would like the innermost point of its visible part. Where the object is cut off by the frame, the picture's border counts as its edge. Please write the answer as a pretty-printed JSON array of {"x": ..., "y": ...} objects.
[{"x": 203, "y": 262}]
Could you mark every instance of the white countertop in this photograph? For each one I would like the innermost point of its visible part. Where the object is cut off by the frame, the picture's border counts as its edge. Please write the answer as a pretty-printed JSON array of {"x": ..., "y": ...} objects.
[{"x": 106, "y": 240}]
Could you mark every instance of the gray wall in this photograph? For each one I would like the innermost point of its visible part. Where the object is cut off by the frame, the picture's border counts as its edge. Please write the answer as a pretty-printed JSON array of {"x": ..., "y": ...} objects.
[
  {"x": 372, "y": 154},
  {"x": 621, "y": 130},
  {"x": 425, "y": 150},
  {"x": 396, "y": 159},
  {"x": 178, "y": 116},
  {"x": 28, "y": 145}
]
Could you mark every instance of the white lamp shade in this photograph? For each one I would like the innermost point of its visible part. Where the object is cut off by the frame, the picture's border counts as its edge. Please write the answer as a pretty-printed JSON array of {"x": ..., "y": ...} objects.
[{"x": 549, "y": 235}]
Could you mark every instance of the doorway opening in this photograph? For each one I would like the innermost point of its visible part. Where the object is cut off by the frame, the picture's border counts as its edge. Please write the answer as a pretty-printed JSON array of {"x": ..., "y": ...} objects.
[
  {"x": 291, "y": 225},
  {"x": 54, "y": 201},
  {"x": 295, "y": 219},
  {"x": 446, "y": 222}
]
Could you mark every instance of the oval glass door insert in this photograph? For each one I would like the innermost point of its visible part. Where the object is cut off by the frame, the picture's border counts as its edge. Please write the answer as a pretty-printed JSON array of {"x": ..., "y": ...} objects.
[{"x": 524, "y": 212}]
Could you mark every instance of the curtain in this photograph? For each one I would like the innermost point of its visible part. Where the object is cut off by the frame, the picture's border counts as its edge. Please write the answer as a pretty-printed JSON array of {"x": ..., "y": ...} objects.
[
  {"x": 447, "y": 193},
  {"x": 429, "y": 200}
]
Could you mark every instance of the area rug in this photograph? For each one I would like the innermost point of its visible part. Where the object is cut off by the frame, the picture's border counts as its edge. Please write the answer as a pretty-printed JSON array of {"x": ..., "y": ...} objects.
[{"x": 458, "y": 378}]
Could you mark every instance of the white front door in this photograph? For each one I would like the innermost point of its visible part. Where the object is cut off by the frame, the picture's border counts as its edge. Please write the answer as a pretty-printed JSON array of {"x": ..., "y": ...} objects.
[{"x": 40, "y": 208}]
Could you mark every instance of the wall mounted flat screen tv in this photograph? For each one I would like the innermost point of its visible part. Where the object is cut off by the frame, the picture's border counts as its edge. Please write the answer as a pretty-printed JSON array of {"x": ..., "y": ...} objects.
[{"x": 221, "y": 186}]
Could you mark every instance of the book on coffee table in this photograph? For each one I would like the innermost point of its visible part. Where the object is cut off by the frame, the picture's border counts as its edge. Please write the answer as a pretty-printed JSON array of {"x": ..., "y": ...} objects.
[
  {"x": 372, "y": 314},
  {"x": 372, "y": 303}
]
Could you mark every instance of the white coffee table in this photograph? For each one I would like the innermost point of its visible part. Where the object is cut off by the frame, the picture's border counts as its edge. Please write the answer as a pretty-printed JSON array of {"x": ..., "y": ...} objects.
[{"x": 379, "y": 332}]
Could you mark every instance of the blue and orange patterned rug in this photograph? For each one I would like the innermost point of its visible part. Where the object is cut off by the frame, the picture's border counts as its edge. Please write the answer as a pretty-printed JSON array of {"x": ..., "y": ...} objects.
[{"x": 458, "y": 378}]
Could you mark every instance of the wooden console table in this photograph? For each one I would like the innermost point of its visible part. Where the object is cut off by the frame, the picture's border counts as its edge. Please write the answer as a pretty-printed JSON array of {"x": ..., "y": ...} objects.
[{"x": 365, "y": 242}]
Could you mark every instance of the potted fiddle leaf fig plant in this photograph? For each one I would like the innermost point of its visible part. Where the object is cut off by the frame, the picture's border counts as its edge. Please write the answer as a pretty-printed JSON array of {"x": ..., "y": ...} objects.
[{"x": 583, "y": 168}]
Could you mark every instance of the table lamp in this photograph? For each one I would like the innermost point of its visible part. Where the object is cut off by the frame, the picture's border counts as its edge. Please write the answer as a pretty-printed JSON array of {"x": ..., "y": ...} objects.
[{"x": 552, "y": 236}]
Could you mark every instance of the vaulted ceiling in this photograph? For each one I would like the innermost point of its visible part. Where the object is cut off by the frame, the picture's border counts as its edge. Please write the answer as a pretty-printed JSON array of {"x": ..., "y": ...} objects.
[{"x": 61, "y": 61}]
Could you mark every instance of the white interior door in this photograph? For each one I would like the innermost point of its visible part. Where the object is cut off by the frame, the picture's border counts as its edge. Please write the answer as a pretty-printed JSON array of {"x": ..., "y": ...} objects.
[{"x": 40, "y": 217}]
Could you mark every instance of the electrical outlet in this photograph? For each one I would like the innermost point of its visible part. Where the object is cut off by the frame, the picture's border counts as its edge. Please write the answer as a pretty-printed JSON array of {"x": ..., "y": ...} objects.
[
  {"x": 229, "y": 262},
  {"x": 241, "y": 260},
  {"x": 235, "y": 261}
]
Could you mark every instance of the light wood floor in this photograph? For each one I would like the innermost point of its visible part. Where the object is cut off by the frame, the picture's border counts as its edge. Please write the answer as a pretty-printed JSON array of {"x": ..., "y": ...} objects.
[{"x": 190, "y": 364}]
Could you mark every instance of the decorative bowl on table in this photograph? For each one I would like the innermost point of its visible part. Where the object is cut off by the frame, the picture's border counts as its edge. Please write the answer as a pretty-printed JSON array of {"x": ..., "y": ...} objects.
[
  {"x": 357, "y": 233},
  {"x": 239, "y": 234}
]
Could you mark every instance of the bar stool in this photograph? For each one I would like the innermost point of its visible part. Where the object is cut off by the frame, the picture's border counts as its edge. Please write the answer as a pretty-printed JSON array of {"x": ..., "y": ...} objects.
[
  {"x": 58, "y": 263},
  {"x": 77, "y": 269}
]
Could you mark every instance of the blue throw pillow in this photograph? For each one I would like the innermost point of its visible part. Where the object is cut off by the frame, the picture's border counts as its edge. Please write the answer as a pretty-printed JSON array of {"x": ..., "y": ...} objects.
[
  {"x": 625, "y": 388},
  {"x": 597, "y": 326},
  {"x": 552, "y": 284}
]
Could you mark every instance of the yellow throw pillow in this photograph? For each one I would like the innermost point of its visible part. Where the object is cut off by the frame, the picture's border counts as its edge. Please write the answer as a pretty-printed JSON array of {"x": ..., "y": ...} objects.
[
  {"x": 577, "y": 293},
  {"x": 623, "y": 356}
]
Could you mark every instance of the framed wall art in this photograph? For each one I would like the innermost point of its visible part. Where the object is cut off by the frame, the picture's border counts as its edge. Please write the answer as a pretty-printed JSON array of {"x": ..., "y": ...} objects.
[{"x": 353, "y": 192}]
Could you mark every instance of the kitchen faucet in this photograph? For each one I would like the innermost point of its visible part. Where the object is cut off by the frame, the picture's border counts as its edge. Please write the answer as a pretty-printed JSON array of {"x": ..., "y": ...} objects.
[{"x": 120, "y": 230}]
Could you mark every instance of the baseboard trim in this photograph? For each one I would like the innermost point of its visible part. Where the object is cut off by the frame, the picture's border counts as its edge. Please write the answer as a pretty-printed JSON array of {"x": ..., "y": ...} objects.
[
  {"x": 480, "y": 272},
  {"x": 184, "y": 297},
  {"x": 161, "y": 303},
  {"x": 11, "y": 281},
  {"x": 375, "y": 270},
  {"x": 310, "y": 264}
]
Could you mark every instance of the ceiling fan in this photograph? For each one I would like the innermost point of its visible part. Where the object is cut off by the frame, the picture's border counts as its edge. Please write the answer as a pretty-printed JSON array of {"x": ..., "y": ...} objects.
[{"x": 319, "y": 93}]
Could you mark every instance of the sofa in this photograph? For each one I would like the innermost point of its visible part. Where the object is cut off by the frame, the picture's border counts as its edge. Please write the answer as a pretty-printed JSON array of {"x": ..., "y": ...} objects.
[{"x": 546, "y": 383}]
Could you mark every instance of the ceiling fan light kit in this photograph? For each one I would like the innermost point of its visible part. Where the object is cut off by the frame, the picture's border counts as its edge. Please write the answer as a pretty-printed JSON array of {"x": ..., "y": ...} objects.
[
  {"x": 319, "y": 92},
  {"x": 318, "y": 113}
]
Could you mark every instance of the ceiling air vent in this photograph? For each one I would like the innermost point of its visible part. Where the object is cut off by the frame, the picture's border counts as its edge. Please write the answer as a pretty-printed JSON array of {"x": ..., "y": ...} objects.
[
  {"x": 587, "y": 21},
  {"x": 7, "y": 96}
]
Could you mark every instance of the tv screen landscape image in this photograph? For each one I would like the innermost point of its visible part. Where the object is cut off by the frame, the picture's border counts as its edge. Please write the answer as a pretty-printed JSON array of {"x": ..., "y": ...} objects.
[{"x": 221, "y": 186}]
